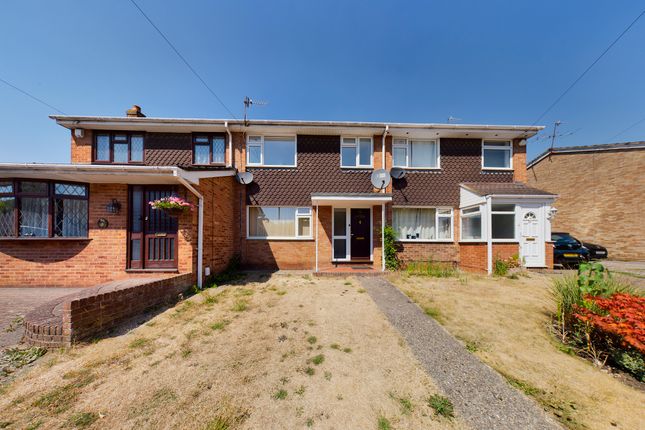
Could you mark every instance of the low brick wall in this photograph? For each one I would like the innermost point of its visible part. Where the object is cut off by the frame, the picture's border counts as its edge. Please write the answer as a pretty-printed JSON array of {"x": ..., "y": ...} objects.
[
  {"x": 438, "y": 252},
  {"x": 473, "y": 254},
  {"x": 95, "y": 311}
]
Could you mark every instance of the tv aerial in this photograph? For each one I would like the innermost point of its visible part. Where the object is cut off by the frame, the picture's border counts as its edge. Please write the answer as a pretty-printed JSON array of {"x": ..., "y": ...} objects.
[
  {"x": 244, "y": 178},
  {"x": 397, "y": 173},
  {"x": 248, "y": 102},
  {"x": 452, "y": 119},
  {"x": 380, "y": 178}
]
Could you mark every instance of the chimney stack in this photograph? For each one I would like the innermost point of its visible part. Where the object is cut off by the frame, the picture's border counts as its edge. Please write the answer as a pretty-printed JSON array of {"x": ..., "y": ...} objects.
[{"x": 135, "y": 111}]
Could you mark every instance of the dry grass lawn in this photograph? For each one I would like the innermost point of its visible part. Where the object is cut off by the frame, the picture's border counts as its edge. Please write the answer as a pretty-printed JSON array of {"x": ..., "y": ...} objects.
[
  {"x": 504, "y": 322},
  {"x": 281, "y": 352}
]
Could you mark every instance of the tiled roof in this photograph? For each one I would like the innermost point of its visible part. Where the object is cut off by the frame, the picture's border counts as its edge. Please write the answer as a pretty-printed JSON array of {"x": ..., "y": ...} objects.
[
  {"x": 460, "y": 162},
  {"x": 588, "y": 148},
  {"x": 503, "y": 188}
]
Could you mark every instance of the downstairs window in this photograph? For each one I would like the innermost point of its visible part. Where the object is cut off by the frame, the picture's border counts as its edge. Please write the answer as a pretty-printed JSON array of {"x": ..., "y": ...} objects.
[
  {"x": 43, "y": 209},
  {"x": 270, "y": 222},
  {"x": 422, "y": 224}
]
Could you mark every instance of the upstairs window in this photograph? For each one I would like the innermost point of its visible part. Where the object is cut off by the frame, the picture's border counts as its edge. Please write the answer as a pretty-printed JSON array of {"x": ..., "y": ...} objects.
[
  {"x": 412, "y": 153},
  {"x": 279, "y": 222},
  {"x": 356, "y": 152},
  {"x": 497, "y": 154},
  {"x": 209, "y": 149},
  {"x": 43, "y": 209},
  {"x": 119, "y": 148},
  {"x": 271, "y": 151},
  {"x": 422, "y": 224}
]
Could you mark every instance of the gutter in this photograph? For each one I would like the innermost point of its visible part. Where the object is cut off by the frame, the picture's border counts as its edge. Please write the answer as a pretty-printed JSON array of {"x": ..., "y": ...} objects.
[{"x": 200, "y": 229}]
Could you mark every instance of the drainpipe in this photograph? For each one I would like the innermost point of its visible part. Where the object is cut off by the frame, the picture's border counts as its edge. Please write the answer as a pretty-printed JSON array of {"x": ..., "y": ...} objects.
[
  {"x": 387, "y": 128},
  {"x": 230, "y": 144},
  {"x": 200, "y": 228},
  {"x": 317, "y": 220},
  {"x": 489, "y": 236}
]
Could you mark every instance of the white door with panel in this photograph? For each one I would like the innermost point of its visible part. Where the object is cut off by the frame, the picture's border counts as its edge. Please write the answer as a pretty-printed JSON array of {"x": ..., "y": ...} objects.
[{"x": 532, "y": 235}]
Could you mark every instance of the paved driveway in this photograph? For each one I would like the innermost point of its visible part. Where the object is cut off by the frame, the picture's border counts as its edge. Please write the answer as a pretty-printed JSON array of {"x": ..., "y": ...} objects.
[{"x": 15, "y": 303}]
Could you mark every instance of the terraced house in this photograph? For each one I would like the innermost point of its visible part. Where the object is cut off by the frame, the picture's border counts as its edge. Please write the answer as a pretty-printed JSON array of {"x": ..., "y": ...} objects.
[{"x": 273, "y": 194}]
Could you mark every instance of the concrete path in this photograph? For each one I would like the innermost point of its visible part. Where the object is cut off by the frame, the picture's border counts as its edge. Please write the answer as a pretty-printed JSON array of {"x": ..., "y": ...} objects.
[
  {"x": 481, "y": 397},
  {"x": 15, "y": 303}
]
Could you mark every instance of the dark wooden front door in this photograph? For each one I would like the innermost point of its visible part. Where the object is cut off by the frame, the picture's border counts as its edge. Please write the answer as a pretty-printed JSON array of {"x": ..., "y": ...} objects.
[
  {"x": 360, "y": 234},
  {"x": 153, "y": 234}
]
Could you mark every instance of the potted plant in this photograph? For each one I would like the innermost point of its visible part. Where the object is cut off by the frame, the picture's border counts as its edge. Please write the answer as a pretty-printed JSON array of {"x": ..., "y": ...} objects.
[{"x": 173, "y": 206}]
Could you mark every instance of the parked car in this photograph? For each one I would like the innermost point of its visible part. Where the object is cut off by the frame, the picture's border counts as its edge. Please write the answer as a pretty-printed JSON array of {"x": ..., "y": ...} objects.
[
  {"x": 595, "y": 251},
  {"x": 567, "y": 250}
]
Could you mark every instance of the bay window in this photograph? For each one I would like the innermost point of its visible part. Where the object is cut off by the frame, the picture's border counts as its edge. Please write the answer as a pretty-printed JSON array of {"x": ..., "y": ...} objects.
[
  {"x": 272, "y": 222},
  {"x": 120, "y": 148},
  {"x": 423, "y": 224},
  {"x": 503, "y": 221},
  {"x": 412, "y": 153},
  {"x": 209, "y": 149},
  {"x": 271, "y": 151},
  {"x": 43, "y": 209},
  {"x": 471, "y": 224},
  {"x": 356, "y": 152},
  {"x": 497, "y": 154}
]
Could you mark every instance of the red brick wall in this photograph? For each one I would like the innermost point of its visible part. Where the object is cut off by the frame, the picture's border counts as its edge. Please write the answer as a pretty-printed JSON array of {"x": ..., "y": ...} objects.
[
  {"x": 473, "y": 255},
  {"x": 280, "y": 254},
  {"x": 441, "y": 252},
  {"x": 548, "y": 255},
  {"x": 81, "y": 149},
  {"x": 519, "y": 162},
  {"x": 84, "y": 263}
]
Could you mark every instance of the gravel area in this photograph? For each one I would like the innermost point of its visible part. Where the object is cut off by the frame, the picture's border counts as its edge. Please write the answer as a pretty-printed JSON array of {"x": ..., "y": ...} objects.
[{"x": 481, "y": 397}]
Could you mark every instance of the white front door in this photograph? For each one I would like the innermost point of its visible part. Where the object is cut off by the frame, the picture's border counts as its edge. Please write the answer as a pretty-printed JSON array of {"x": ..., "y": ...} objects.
[{"x": 532, "y": 235}]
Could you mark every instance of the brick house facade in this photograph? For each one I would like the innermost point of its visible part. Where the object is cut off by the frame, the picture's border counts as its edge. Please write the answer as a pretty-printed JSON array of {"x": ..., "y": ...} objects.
[
  {"x": 311, "y": 204},
  {"x": 601, "y": 191}
]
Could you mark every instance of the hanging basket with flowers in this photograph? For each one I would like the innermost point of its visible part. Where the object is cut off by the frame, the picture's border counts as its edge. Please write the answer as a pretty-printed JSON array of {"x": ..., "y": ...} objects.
[{"x": 172, "y": 206}]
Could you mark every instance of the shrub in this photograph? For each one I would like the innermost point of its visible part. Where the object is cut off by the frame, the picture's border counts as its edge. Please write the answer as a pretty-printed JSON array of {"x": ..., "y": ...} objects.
[
  {"x": 392, "y": 261},
  {"x": 441, "y": 405}
]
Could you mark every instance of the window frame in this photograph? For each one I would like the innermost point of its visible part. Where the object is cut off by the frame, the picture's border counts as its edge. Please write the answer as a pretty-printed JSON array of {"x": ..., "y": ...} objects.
[
  {"x": 497, "y": 148},
  {"x": 261, "y": 145},
  {"x": 296, "y": 218},
  {"x": 436, "y": 223},
  {"x": 51, "y": 197},
  {"x": 408, "y": 150},
  {"x": 129, "y": 135},
  {"x": 481, "y": 214},
  {"x": 356, "y": 145},
  {"x": 498, "y": 212},
  {"x": 210, "y": 137}
]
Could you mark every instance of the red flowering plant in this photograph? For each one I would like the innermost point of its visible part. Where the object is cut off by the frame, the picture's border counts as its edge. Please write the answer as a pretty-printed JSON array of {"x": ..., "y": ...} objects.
[
  {"x": 172, "y": 205},
  {"x": 621, "y": 316}
]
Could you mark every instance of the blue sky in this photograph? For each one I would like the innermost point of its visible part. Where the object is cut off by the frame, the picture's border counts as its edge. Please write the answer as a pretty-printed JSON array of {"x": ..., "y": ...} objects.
[{"x": 495, "y": 62}]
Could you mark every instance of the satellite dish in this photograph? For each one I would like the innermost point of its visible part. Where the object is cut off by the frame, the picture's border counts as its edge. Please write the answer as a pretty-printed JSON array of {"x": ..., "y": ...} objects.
[
  {"x": 380, "y": 178},
  {"x": 397, "y": 172},
  {"x": 244, "y": 178}
]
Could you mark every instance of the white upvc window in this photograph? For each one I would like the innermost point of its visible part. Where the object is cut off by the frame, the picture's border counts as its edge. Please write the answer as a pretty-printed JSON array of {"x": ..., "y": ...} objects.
[
  {"x": 283, "y": 222},
  {"x": 497, "y": 155},
  {"x": 357, "y": 152},
  {"x": 416, "y": 153},
  {"x": 471, "y": 224},
  {"x": 271, "y": 151},
  {"x": 503, "y": 222},
  {"x": 423, "y": 224}
]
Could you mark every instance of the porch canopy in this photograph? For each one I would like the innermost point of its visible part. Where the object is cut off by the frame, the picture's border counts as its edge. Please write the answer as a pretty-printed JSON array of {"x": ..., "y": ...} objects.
[
  {"x": 355, "y": 200},
  {"x": 476, "y": 192},
  {"x": 108, "y": 174}
]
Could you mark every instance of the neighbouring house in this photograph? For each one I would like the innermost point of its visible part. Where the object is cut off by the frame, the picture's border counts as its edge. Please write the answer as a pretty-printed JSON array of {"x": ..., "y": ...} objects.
[
  {"x": 601, "y": 191},
  {"x": 462, "y": 199}
]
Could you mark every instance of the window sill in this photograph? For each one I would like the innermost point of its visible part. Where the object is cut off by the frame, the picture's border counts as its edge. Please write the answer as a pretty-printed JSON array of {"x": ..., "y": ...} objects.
[
  {"x": 271, "y": 166},
  {"x": 298, "y": 239},
  {"x": 432, "y": 169},
  {"x": 39, "y": 239},
  {"x": 493, "y": 169},
  {"x": 425, "y": 241},
  {"x": 356, "y": 167},
  {"x": 168, "y": 270}
]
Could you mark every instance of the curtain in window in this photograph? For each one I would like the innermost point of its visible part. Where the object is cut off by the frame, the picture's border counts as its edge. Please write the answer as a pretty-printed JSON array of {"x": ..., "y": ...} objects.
[
  {"x": 423, "y": 154},
  {"x": 414, "y": 223},
  {"x": 34, "y": 212},
  {"x": 70, "y": 218},
  {"x": 272, "y": 222}
]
